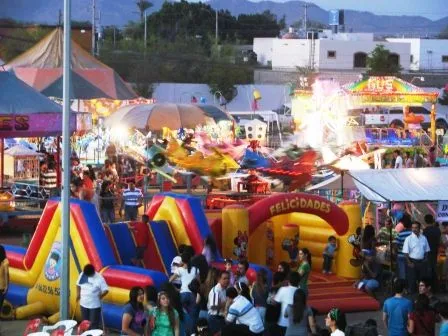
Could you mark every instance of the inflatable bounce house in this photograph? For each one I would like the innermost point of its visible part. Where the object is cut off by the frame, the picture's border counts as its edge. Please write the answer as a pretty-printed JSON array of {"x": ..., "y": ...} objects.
[{"x": 267, "y": 232}]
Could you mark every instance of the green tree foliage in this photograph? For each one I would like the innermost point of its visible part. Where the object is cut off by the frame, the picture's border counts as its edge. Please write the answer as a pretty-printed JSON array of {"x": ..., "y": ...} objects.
[
  {"x": 142, "y": 6},
  {"x": 19, "y": 40},
  {"x": 444, "y": 33},
  {"x": 381, "y": 62},
  {"x": 250, "y": 26}
]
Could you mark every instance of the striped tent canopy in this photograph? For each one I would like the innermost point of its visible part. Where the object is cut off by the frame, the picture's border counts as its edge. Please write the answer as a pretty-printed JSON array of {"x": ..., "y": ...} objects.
[{"x": 41, "y": 68}]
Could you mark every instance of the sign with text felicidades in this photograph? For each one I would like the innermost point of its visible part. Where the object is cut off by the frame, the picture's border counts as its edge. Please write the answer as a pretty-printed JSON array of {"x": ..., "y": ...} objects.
[{"x": 442, "y": 211}]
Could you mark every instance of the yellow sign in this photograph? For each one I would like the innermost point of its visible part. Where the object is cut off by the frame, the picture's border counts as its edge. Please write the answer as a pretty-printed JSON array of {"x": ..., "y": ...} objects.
[{"x": 298, "y": 203}]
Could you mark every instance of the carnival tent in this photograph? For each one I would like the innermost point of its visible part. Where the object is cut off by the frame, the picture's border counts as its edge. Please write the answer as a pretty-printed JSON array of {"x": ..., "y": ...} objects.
[
  {"x": 41, "y": 68},
  {"x": 28, "y": 112},
  {"x": 402, "y": 185}
]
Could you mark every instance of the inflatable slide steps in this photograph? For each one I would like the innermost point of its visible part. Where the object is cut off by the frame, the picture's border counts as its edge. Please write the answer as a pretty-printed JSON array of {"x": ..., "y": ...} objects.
[
  {"x": 330, "y": 291},
  {"x": 161, "y": 250}
]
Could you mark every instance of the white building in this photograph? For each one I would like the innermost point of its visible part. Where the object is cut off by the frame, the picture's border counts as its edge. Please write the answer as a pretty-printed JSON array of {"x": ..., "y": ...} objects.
[
  {"x": 343, "y": 51},
  {"x": 426, "y": 55}
]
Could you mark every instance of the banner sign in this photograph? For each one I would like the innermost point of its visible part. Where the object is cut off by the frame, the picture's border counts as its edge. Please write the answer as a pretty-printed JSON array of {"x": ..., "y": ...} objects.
[
  {"x": 32, "y": 125},
  {"x": 442, "y": 211}
]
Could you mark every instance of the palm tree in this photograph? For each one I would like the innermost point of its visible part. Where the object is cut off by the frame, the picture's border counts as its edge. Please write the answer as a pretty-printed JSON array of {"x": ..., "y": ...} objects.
[{"x": 143, "y": 5}]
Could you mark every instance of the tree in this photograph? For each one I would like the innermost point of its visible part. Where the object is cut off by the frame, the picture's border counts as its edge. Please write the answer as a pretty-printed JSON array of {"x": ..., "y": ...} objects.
[
  {"x": 381, "y": 62},
  {"x": 444, "y": 33},
  {"x": 250, "y": 26},
  {"x": 225, "y": 77},
  {"x": 143, "y": 5}
]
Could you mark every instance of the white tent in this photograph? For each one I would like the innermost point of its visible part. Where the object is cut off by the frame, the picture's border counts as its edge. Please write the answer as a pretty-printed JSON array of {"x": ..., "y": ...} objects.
[
  {"x": 402, "y": 185},
  {"x": 335, "y": 183}
]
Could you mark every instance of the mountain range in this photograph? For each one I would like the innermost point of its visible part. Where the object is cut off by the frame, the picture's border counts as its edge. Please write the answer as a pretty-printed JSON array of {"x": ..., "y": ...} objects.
[{"x": 119, "y": 12}]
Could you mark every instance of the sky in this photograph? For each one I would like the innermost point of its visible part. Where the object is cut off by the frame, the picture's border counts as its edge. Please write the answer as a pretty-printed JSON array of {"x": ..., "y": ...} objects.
[{"x": 432, "y": 9}]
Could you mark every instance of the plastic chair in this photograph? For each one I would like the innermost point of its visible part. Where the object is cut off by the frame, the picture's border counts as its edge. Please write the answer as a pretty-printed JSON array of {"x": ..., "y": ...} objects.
[
  {"x": 83, "y": 326},
  {"x": 65, "y": 326},
  {"x": 93, "y": 332},
  {"x": 32, "y": 326}
]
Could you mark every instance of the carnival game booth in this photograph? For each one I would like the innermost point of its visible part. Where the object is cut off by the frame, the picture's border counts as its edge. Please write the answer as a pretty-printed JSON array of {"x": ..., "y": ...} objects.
[
  {"x": 22, "y": 164},
  {"x": 380, "y": 91},
  {"x": 26, "y": 113}
]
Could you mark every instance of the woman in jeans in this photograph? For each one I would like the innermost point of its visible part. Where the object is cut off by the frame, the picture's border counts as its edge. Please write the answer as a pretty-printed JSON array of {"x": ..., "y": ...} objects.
[
  {"x": 91, "y": 288},
  {"x": 107, "y": 203},
  {"x": 186, "y": 273}
]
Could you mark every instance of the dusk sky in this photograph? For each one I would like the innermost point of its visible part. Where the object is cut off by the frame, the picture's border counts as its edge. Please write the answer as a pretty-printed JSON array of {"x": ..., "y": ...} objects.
[{"x": 433, "y": 9}]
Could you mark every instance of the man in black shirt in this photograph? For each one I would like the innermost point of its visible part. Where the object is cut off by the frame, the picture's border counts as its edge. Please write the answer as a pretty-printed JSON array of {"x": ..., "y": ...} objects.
[{"x": 432, "y": 234}]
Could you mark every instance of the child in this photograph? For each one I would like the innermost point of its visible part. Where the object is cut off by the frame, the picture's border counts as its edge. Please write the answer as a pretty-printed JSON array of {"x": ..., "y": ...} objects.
[
  {"x": 228, "y": 265},
  {"x": 328, "y": 255}
]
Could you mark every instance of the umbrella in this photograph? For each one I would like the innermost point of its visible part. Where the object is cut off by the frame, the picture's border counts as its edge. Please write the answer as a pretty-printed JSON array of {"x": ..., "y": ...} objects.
[{"x": 155, "y": 117}]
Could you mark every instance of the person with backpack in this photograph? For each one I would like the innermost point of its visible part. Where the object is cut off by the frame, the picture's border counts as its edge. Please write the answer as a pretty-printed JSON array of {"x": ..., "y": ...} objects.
[{"x": 164, "y": 319}]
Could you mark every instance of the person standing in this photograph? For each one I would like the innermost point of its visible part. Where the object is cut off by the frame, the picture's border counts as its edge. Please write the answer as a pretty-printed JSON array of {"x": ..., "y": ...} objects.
[
  {"x": 444, "y": 240},
  {"x": 300, "y": 316},
  {"x": 328, "y": 255},
  {"x": 386, "y": 232},
  {"x": 210, "y": 251},
  {"x": 4, "y": 275},
  {"x": 241, "y": 271},
  {"x": 141, "y": 235},
  {"x": 217, "y": 302},
  {"x": 422, "y": 321},
  {"x": 398, "y": 159},
  {"x": 416, "y": 249},
  {"x": 107, "y": 208},
  {"x": 48, "y": 177},
  {"x": 396, "y": 311},
  {"x": 304, "y": 268},
  {"x": 132, "y": 198},
  {"x": 433, "y": 236},
  {"x": 285, "y": 297},
  {"x": 399, "y": 242},
  {"x": 186, "y": 273},
  {"x": 260, "y": 292},
  {"x": 91, "y": 289},
  {"x": 164, "y": 319}
]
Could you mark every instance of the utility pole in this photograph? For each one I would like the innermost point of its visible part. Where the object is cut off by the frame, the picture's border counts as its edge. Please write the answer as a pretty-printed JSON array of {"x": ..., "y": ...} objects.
[
  {"x": 146, "y": 29},
  {"x": 93, "y": 27},
  {"x": 60, "y": 18},
  {"x": 114, "y": 37},
  {"x": 216, "y": 26},
  {"x": 305, "y": 19},
  {"x": 64, "y": 303}
]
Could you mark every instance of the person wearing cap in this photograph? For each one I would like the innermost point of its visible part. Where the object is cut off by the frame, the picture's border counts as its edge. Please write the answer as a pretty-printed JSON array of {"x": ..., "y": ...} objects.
[{"x": 370, "y": 273}]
